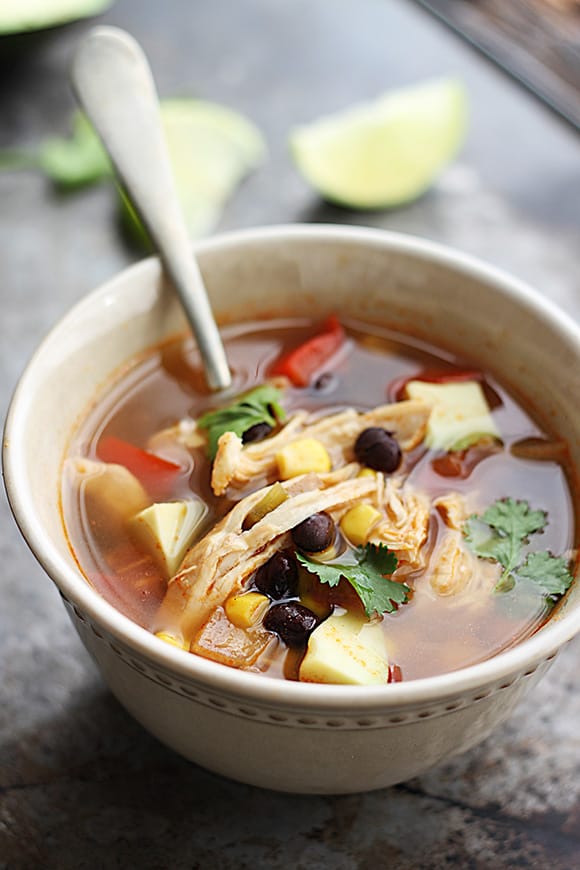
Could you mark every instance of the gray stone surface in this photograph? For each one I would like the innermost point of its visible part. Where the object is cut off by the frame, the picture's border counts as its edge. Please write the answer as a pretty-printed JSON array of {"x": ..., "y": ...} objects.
[{"x": 81, "y": 784}]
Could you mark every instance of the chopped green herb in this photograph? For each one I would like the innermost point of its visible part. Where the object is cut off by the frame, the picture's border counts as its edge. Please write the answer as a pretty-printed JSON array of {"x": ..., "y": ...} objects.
[
  {"x": 500, "y": 533},
  {"x": 550, "y": 572},
  {"x": 70, "y": 162},
  {"x": 368, "y": 577},
  {"x": 261, "y": 405},
  {"x": 76, "y": 161},
  {"x": 514, "y": 518}
]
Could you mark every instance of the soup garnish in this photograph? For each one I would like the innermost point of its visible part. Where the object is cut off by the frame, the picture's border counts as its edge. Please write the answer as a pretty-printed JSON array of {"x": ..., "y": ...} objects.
[{"x": 305, "y": 527}]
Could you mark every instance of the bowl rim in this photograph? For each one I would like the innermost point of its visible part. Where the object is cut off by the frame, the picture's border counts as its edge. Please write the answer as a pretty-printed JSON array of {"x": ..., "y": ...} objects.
[{"x": 219, "y": 678}]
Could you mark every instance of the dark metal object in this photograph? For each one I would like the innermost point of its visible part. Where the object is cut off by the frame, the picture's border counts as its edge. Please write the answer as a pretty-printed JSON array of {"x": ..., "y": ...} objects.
[{"x": 532, "y": 40}]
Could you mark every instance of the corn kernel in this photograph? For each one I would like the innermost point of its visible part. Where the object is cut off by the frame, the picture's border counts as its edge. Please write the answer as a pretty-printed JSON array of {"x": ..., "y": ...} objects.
[
  {"x": 301, "y": 457},
  {"x": 367, "y": 472},
  {"x": 171, "y": 638},
  {"x": 246, "y": 609},
  {"x": 357, "y": 523}
]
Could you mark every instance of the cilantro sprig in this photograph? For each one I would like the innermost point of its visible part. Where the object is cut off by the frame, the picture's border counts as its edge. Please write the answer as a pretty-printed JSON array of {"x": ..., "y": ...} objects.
[
  {"x": 260, "y": 405},
  {"x": 500, "y": 534},
  {"x": 367, "y": 577}
]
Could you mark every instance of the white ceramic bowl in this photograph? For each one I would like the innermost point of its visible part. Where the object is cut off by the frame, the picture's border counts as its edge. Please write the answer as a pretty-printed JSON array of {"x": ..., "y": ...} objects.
[{"x": 283, "y": 735}]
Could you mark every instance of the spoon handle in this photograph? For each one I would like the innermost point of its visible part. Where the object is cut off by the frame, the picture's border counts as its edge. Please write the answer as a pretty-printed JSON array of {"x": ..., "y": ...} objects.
[{"x": 113, "y": 82}]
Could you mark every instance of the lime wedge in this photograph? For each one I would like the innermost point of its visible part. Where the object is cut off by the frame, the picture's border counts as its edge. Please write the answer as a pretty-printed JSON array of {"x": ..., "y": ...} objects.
[
  {"x": 386, "y": 152},
  {"x": 212, "y": 148},
  {"x": 19, "y": 16}
]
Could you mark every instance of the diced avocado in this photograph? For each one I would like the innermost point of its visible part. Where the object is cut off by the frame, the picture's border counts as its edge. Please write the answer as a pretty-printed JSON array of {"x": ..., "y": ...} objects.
[
  {"x": 460, "y": 411},
  {"x": 346, "y": 649},
  {"x": 167, "y": 528},
  {"x": 112, "y": 495}
]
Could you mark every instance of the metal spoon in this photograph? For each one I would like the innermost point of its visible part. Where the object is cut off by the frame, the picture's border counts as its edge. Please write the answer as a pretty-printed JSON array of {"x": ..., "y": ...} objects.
[{"x": 113, "y": 82}]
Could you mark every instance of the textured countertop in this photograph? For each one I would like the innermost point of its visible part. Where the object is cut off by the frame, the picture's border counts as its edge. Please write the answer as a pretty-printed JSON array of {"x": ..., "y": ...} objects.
[{"x": 81, "y": 784}]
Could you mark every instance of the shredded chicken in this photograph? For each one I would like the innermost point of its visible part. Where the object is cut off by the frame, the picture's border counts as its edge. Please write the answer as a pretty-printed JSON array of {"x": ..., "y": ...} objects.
[
  {"x": 453, "y": 510},
  {"x": 185, "y": 433},
  {"x": 236, "y": 464},
  {"x": 219, "y": 564},
  {"x": 457, "y": 574},
  {"x": 406, "y": 525},
  {"x": 452, "y": 566}
]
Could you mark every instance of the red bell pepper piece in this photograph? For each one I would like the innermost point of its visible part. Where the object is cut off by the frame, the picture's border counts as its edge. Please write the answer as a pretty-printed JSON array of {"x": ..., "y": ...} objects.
[
  {"x": 395, "y": 674},
  {"x": 302, "y": 363},
  {"x": 156, "y": 474}
]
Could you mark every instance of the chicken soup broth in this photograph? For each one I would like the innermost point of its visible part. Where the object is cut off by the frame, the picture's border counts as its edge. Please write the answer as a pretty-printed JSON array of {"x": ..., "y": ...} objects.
[{"x": 358, "y": 508}]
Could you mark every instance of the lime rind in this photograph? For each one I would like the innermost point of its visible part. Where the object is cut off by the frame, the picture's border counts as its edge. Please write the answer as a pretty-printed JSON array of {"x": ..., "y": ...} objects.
[
  {"x": 387, "y": 152},
  {"x": 212, "y": 149},
  {"x": 23, "y": 16}
]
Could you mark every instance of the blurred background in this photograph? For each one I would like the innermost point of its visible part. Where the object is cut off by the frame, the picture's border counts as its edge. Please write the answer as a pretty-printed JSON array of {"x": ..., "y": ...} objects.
[{"x": 81, "y": 785}]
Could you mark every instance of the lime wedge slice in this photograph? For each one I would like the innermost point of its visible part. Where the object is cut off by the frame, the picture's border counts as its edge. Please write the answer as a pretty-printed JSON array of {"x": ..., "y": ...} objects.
[
  {"x": 19, "y": 16},
  {"x": 212, "y": 148},
  {"x": 387, "y": 152}
]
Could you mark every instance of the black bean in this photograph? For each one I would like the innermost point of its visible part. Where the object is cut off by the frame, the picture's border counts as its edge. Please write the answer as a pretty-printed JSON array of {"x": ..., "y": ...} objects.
[
  {"x": 256, "y": 432},
  {"x": 378, "y": 449},
  {"x": 291, "y": 621},
  {"x": 314, "y": 534},
  {"x": 278, "y": 578}
]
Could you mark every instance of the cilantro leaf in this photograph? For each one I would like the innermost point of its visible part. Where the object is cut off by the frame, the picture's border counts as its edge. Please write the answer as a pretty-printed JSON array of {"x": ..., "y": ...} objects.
[
  {"x": 329, "y": 574},
  {"x": 261, "y": 405},
  {"x": 77, "y": 161},
  {"x": 549, "y": 572},
  {"x": 485, "y": 542},
  {"x": 500, "y": 533},
  {"x": 377, "y": 593},
  {"x": 514, "y": 519},
  {"x": 69, "y": 162}
]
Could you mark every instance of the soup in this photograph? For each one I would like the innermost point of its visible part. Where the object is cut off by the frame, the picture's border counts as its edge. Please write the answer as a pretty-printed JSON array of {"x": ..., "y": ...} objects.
[{"x": 359, "y": 508}]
